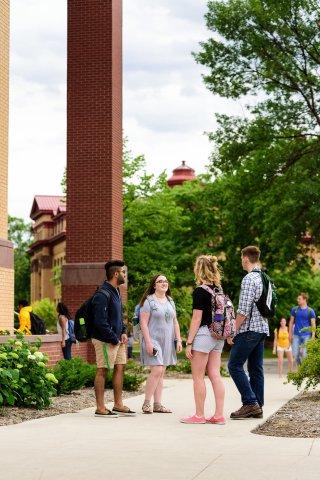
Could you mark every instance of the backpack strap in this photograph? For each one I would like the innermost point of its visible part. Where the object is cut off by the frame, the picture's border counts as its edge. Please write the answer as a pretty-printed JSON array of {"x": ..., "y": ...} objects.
[
  {"x": 212, "y": 293},
  {"x": 255, "y": 270},
  {"x": 310, "y": 314},
  {"x": 104, "y": 292}
]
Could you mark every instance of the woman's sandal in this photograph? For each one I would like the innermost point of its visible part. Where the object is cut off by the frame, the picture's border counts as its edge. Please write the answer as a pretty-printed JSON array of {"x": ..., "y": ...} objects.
[
  {"x": 146, "y": 407},
  {"x": 158, "y": 408}
]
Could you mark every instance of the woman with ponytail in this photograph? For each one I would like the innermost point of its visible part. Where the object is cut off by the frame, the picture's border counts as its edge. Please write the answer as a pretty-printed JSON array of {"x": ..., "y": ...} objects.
[{"x": 203, "y": 350}]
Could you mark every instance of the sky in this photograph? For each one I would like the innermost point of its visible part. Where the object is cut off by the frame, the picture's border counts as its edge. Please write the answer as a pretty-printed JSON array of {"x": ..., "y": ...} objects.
[{"x": 166, "y": 107}]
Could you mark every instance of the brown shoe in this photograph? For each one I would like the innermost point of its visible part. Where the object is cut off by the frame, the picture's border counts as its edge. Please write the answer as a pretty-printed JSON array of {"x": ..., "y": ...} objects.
[{"x": 247, "y": 411}]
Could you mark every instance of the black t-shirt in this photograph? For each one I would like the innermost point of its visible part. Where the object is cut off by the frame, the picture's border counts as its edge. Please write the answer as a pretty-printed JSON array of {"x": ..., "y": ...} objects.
[{"x": 202, "y": 301}]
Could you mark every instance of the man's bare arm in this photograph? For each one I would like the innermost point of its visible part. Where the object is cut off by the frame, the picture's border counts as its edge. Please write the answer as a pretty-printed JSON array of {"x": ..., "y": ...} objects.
[
  {"x": 313, "y": 327},
  {"x": 239, "y": 320},
  {"x": 291, "y": 327}
]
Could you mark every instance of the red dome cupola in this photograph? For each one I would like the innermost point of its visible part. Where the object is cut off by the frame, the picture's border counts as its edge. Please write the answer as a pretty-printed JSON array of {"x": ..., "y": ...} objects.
[{"x": 181, "y": 174}]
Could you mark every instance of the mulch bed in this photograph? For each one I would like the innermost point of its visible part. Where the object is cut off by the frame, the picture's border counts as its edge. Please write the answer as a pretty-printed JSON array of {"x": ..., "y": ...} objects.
[
  {"x": 71, "y": 403},
  {"x": 300, "y": 417}
]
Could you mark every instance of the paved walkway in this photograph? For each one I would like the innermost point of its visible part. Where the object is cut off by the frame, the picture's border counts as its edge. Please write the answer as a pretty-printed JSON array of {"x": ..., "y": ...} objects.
[{"x": 157, "y": 447}]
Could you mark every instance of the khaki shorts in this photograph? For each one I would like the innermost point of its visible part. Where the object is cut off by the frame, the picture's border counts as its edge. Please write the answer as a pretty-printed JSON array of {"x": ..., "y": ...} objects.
[{"x": 108, "y": 355}]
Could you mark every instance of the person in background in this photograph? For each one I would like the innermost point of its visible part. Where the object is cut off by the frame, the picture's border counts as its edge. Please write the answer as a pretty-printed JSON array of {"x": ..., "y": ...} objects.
[
  {"x": 302, "y": 317},
  {"x": 24, "y": 310},
  {"x": 160, "y": 339},
  {"x": 130, "y": 345},
  {"x": 202, "y": 348},
  {"x": 282, "y": 344},
  {"x": 63, "y": 330}
]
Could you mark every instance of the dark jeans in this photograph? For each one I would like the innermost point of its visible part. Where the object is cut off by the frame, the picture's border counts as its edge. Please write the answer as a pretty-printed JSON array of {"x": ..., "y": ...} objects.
[
  {"x": 248, "y": 346},
  {"x": 130, "y": 352},
  {"x": 67, "y": 350}
]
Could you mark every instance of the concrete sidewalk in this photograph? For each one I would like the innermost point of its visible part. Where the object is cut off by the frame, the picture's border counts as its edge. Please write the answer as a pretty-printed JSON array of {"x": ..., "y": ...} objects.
[{"x": 157, "y": 447}]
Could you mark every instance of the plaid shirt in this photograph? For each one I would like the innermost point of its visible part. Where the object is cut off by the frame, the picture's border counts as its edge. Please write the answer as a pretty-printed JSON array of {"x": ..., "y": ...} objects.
[{"x": 251, "y": 290}]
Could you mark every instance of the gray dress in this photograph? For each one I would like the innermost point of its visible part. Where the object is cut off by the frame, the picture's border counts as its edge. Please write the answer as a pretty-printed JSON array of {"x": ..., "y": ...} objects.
[{"x": 161, "y": 330}]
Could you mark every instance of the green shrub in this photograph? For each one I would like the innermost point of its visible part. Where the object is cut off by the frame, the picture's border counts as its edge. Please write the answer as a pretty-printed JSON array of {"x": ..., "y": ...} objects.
[
  {"x": 184, "y": 366},
  {"x": 76, "y": 373},
  {"x": 135, "y": 367},
  {"x": 46, "y": 310},
  {"x": 24, "y": 378},
  {"x": 4, "y": 332},
  {"x": 224, "y": 372},
  {"x": 73, "y": 374},
  {"x": 183, "y": 301},
  {"x": 309, "y": 370},
  {"x": 131, "y": 381}
]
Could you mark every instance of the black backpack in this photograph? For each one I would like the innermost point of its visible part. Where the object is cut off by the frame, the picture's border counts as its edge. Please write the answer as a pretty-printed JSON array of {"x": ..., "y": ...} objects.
[
  {"x": 267, "y": 302},
  {"x": 83, "y": 321},
  {"x": 38, "y": 327}
]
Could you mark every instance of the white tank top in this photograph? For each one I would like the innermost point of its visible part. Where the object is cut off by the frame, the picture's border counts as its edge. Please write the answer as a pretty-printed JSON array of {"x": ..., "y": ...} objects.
[{"x": 59, "y": 329}]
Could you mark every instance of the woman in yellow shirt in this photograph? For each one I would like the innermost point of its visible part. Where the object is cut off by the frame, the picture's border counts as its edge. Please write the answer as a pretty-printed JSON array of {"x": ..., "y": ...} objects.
[{"x": 282, "y": 344}]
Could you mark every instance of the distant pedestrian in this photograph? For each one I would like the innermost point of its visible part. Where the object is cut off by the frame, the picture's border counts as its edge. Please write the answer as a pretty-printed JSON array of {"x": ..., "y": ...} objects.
[
  {"x": 202, "y": 348},
  {"x": 63, "y": 329},
  {"x": 160, "y": 339},
  {"x": 24, "y": 309},
  {"x": 282, "y": 344},
  {"x": 130, "y": 345},
  {"x": 301, "y": 327},
  {"x": 248, "y": 344}
]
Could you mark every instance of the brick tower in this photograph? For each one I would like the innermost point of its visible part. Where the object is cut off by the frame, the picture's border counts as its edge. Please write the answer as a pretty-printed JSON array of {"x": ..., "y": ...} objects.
[
  {"x": 94, "y": 145},
  {"x": 6, "y": 248}
]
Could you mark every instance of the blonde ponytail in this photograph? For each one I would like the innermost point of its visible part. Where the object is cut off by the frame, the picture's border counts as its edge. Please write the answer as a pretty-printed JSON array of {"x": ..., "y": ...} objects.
[{"x": 207, "y": 270}]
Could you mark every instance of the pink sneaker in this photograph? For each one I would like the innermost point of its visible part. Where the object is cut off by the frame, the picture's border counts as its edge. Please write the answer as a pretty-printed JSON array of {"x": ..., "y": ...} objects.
[
  {"x": 193, "y": 419},
  {"x": 216, "y": 420}
]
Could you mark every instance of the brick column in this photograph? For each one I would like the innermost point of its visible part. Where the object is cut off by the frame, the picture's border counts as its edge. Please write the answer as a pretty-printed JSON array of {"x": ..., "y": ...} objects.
[
  {"x": 6, "y": 248},
  {"x": 94, "y": 145}
]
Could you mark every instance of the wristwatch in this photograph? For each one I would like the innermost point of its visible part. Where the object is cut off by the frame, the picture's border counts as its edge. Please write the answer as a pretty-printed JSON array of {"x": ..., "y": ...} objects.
[{"x": 189, "y": 343}]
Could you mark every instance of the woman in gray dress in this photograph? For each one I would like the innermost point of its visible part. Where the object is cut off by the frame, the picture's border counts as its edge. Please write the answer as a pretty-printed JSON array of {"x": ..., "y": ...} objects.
[{"x": 160, "y": 339}]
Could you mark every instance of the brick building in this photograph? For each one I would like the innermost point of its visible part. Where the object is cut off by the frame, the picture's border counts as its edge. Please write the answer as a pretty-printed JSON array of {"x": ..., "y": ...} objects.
[
  {"x": 48, "y": 250},
  {"x": 6, "y": 248}
]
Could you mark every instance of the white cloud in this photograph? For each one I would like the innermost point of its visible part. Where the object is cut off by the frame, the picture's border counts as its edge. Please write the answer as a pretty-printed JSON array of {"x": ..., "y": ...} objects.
[{"x": 166, "y": 106}]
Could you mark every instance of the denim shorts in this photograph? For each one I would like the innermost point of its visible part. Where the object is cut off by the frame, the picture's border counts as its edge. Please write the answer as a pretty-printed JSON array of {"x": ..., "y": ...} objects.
[
  {"x": 205, "y": 342},
  {"x": 283, "y": 349}
]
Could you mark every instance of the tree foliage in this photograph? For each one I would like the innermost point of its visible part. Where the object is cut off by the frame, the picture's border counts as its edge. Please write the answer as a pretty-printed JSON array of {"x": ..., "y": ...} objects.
[
  {"x": 268, "y": 162},
  {"x": 19, "y": 232},
  {"x": 263, "y": 184}
]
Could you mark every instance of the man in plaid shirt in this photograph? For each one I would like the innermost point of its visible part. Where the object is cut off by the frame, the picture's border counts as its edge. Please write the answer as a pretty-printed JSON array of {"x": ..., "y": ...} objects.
[{"x": 248, "y": 344}]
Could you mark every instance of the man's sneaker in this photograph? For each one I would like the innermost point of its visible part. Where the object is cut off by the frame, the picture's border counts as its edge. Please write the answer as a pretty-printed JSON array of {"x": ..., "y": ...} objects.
[
  {"x": 124, "y": 411},
  {"x": 106, "y": 414},
  {"x": 193, "y": 419},
  {"x": 216, "y": 420},
  {"x": 247, "y": 411}
]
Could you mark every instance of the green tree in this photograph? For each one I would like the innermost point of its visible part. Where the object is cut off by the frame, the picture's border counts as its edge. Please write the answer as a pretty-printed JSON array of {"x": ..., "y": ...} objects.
[
  {"x": 164, "y": 230},
  {"x": 19, "y": 232},
  {"x": 269, "y": 161},
  {"x": 266, "y": 165},
  {"x": 151, "y": 222}
]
